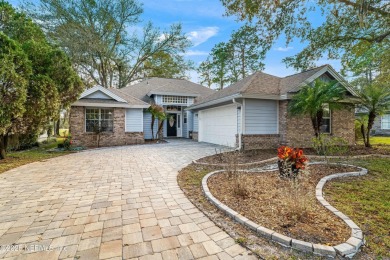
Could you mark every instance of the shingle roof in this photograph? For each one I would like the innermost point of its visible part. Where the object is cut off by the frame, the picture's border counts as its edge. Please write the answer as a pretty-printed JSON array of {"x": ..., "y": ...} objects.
[
  {"x": 261, "y": 83},
  {"x": 117, "y": 97},
  {"x": 131, "y": 100},
  {"x": 292, "y": 83},
  {"x": 166, "y": 86}
]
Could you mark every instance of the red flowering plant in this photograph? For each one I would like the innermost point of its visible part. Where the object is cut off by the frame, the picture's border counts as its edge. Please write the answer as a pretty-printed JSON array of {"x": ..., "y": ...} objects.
[{"x": 291, "y": 161}]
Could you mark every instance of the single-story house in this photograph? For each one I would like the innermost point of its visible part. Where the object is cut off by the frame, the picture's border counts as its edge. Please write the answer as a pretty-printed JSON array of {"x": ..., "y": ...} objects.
[
  {"x": 123, "y": 112},
  {"x": 251, "y": 113}
]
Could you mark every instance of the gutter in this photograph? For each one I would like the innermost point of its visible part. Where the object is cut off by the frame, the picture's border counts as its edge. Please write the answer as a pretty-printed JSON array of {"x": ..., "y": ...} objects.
[
  {"x": 239, "y": 134},
  {"x": 214, "y": 102}
]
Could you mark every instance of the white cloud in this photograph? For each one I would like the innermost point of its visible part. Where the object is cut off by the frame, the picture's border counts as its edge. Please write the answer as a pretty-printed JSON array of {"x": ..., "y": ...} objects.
[
  {"x": 202, "y": 35},
  {"x": 284, "y": 49},
  {"x": 195, "y": 53}
]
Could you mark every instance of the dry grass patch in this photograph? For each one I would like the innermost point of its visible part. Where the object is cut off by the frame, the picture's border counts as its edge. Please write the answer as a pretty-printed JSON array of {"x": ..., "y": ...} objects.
[{"x": 286, "y": 206}]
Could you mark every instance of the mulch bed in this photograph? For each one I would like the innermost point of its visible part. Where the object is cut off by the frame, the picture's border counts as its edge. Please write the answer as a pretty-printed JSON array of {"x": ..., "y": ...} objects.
[
  {"x": 240, "y": 157},
  {"x": 281, "y": 205},
  {"x": 251, "y": 156}
]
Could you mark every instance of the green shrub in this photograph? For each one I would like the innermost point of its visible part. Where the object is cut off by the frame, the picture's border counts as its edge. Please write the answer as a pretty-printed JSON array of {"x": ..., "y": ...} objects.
[
  {"x": 67, "y": 142},
  {"x": 330, "y": 145}
]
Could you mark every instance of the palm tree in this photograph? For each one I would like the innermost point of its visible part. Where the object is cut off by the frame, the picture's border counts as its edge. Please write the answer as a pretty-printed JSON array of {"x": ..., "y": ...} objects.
[
  {"x": 375, "y": 100},
  {"x": 312, "y": 99},
  {"x": 157, "y": 113}
]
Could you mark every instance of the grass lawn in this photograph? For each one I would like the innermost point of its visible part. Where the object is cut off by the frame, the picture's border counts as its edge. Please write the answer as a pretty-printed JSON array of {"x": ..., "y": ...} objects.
[
  {"x": 381, "y": 141},
  {"x": 64, "y": 132},
  {"x": 366, "y": 200},
  {"x": 16, "y": 159}
]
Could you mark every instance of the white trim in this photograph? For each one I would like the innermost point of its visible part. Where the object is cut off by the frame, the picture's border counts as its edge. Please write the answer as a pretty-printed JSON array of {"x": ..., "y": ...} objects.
[
  {"x": 243, "y": 130},
  {"x": 113, "y": 118},
  {"x": 124, "y": 105},
  {"x": 332, "y": 72},
  {"x": 150, "y": 93},
  {"x": 104, "y": 90},
  {"x": 215, "y": 101}
]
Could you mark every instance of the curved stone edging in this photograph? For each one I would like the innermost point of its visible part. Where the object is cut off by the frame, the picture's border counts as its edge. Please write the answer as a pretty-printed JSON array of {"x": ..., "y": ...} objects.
[
  {"x": 274, "y": 159},
  {"x": 348, "y": 248}
]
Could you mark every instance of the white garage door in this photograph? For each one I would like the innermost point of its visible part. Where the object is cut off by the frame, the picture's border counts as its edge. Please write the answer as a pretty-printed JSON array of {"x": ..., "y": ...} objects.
[{"x": 218, "y": 125}]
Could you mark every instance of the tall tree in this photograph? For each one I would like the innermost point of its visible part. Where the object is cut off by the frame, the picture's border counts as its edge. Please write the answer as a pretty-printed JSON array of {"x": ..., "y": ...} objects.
[
  {"x": 247, "y": 53},
  {"x": 205, "y": 73},
  {"x": 165, "y": 65},
  {"x": 95, "y": 34},
  {"x": 311, "y": 99},
  {"x": 350, "y": 28},
  {"x": 232, "y": 61},
  {"x": 52, "y": 85},
  {"x": 15, "y": 70}
]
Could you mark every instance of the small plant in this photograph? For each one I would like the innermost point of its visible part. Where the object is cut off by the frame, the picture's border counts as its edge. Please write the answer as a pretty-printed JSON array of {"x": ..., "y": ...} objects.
[
  {"x": 329, "y": 146},
  {"x": 67, "y": 142},
  {"x": 291, "y": 160},
  {"x": 232, "y": 169},
  {"x": 241, "y": 240}
]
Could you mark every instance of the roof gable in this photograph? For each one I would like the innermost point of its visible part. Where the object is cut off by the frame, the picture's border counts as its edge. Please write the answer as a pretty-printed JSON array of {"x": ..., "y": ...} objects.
[
  {"x": 100, "y": 96},
  {"x": 99, "y": 89}
]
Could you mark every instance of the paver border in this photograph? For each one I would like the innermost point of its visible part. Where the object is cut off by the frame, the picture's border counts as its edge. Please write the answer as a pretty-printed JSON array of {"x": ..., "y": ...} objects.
[
  {"x": 274, "y": 159},
  {"x": 346, "y": 249}
]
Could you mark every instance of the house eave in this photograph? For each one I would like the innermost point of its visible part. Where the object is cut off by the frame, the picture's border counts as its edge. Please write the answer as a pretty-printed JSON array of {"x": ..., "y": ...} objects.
[
  {"x": 214, "y": 102},
  {"x": 120, "y": 105},
  {"x": 151, "y": 93}
]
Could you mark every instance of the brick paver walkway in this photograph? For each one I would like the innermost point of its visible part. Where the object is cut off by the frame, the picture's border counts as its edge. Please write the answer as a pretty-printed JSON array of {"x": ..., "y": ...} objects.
[{"x": 114, "y": 203}]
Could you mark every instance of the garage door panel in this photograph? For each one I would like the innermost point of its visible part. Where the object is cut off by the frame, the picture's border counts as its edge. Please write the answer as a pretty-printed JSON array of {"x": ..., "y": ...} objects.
[{"x": 218, "y": 125}]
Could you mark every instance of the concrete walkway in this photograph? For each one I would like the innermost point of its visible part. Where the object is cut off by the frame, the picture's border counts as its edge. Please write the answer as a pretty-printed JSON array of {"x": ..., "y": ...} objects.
[{"x": 114, "y": 203}]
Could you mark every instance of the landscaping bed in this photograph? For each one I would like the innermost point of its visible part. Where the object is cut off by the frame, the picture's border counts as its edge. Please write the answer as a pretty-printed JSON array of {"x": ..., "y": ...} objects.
[
  {"x": 239, "y": 157},
  {"x": 257, "y": 155},
  {"x": 284, "y": 206}
]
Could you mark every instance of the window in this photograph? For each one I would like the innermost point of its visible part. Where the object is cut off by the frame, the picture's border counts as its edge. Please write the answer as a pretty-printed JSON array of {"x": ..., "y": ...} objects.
[
  {"x": 99, "y": 119},
  {"x": 386, "y": 121},
  {"x": 185, "y": 118},
  {"x": 174, "y": 100},
  {"x": 326, "y": 120}
]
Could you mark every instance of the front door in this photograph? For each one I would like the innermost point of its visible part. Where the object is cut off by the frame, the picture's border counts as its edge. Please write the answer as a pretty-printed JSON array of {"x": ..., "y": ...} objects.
[{"x": 172, "y": 125}]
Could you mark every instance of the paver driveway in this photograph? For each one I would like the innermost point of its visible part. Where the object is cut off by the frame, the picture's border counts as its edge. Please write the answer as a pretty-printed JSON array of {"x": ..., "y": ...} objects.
[{"x": 112, "y": 203}]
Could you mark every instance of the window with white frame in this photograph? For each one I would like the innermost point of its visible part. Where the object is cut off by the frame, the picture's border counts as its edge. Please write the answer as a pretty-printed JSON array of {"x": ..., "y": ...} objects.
[
  {"x": 99, "y": 120},
  {"x": 174, "y": 100},
  {"x": 326, "y": 119},
  {"x": 385, "y": 121},
  {"x": 185, "y": 117}
]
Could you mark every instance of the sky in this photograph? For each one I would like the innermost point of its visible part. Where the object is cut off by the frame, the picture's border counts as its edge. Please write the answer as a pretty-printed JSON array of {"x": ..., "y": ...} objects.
[{"x": 205, "y": 24}]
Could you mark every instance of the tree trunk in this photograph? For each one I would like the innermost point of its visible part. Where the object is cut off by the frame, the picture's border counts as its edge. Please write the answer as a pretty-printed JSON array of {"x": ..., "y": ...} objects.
[
  {"x": 160, "y": 126},
  {"x": 371, "y": 119},
  {"x": 152, "y": 127},
  {"x": 363, "y": 131},
  {"x": 3, "y": 146},
  {"x": 57, "y": 127}
]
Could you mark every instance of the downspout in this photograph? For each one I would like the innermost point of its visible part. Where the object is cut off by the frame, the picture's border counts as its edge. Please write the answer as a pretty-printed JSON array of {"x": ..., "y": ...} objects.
[{"x": 239, "y": 134}]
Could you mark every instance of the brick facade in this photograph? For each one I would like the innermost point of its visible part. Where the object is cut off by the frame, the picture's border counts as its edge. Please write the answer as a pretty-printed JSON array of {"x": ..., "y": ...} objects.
[
  {"x": 250, "y": 142},
  {"x": 115, "y": 138},
  {"x": 297, "y": 131}
]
